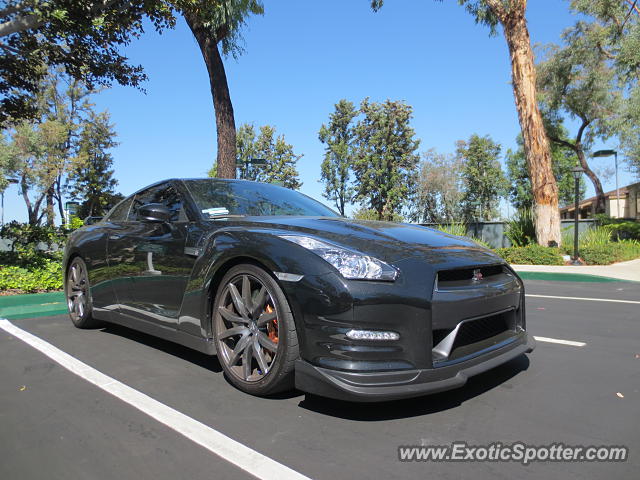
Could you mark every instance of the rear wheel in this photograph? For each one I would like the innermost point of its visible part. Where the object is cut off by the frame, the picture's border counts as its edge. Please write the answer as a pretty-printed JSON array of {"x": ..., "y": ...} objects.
[
  {"x": 79, "y": 295},
  {"x": 254, "y": 331}
]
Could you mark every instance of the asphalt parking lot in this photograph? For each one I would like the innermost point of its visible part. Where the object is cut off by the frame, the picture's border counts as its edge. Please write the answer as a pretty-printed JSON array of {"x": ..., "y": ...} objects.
[{"x": 55, "y": 424}]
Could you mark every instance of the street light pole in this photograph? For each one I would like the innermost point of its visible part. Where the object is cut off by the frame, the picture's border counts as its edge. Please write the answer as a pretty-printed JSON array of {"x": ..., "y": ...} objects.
[{"x": 577, "y": 173}]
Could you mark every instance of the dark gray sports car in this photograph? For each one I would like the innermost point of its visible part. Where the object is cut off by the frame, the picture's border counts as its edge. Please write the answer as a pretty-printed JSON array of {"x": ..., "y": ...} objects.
[{"x": 287, "y": 293}]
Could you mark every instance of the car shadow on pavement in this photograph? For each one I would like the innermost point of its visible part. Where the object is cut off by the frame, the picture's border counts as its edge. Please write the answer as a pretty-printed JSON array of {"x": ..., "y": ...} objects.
[
  {"x": 475, "y": 386},
  {"x": 209, "y": 362}
]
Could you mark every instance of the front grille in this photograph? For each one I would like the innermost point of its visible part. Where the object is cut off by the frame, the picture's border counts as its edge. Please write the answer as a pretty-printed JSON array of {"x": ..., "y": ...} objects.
[
  {"x": 473, "y": 335},
  {"x": 474, "y": 331},
  {"x": 464, "y": 277}
]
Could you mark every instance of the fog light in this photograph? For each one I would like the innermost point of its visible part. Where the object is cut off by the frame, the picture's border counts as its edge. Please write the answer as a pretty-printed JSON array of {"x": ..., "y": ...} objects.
[{"x": 372, "y": 335}]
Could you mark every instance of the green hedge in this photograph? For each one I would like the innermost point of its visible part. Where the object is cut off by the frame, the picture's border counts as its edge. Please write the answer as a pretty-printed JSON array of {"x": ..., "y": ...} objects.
[
  {"x": 39, "y": 279},
  {"x": 531, "y": 255},
  {"x": 621, "y": 251}
]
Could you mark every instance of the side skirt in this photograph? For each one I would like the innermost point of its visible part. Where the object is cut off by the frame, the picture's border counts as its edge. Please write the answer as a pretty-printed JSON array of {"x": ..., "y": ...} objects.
[{"x": 204, "y": 345}]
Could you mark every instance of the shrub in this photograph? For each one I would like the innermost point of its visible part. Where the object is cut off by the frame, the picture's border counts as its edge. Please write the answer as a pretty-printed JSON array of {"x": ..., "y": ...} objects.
[
  {"x": 40, "y": 279},
  {"x": 532, "y": 254},
  {"x": 625, "y": 231},
  {"x": 458, "y": 229},
  {"x": 595, "y": 237},
  {"x": 521, "y": 230},
  {"x": 621, "y": 251}
]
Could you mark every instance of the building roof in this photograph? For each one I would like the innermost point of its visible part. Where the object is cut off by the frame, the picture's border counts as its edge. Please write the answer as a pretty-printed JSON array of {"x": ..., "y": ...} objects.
[{"x": 588, "y": 201}]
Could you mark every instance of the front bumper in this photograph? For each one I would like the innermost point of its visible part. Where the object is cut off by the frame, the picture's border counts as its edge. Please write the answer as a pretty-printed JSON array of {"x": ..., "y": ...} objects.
[{"x": 392, "y": 385}]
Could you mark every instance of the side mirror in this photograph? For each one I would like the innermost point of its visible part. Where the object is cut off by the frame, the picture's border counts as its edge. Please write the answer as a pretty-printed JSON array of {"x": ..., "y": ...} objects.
[{"x": 154, "y": 212}]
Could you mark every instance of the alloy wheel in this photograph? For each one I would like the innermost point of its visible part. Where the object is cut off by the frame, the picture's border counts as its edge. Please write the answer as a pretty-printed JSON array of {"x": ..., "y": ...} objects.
[
  {"x": 77, "y": 290},
  {"x": 247, "y": 326}
]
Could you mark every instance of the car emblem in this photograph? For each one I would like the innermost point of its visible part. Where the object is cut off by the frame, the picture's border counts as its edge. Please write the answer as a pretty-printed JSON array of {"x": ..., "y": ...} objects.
[{"x": 477, "y": 275}]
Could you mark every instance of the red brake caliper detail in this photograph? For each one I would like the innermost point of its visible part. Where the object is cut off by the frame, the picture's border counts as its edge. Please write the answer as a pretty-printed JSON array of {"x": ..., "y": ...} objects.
[{"x": 272, "y": 326}]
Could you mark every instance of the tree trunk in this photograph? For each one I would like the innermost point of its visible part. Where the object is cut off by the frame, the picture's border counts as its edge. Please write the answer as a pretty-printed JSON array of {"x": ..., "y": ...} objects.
[
  {"x": 225, "y": 122},
  {"x": 601, "y": 206},
  {"x": 536, "y": 144},
  {"x": 50, "y": 212}
]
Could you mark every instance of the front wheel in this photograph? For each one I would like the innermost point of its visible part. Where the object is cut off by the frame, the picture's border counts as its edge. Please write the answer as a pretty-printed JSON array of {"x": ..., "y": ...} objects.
[
  {"x": 254, "y": 331},
  {"x": 79, "y": 296}
]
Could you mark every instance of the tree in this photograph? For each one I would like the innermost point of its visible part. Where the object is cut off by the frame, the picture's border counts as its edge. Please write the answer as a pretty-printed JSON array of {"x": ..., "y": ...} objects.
[
  {"x": 564, "y": 160},
  {"x": 82, "y": 37},
  {"x": 44, "y": 150},
  {"x": 510, "y": 14},
  {"x": 614, "y": 31},
  {"x": 339, "y": 137},
  {"x": 439, "y": 190},
  {"x": 35, "y": 154},
  {"x": 92, "y": 182},
  {"x": 280, "y": 158},
  {"x": 216, "y": 23},
  {"x": 386, "y": 159},
  {"x": 484, "y": 182},
  {"x": 593, "y": 78}
]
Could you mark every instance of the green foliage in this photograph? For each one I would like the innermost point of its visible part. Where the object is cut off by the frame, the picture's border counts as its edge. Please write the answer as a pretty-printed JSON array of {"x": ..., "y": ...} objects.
[
  {"x": 563, "y": 158},
  {"x": 484, "y": 182},
  {"x": 386, "y": 159},
  {"x": 92, "y": 181},
  {"x": 595, "y": 237},
  {"x": 459, "y": 229},
  {"x": 625, "y": 231},
  {"x": 82, "y": 37},
  {"x": 369, "y": 214},
  {"x": 439, "y": 191},
  {"x": 280, "y": 157},
  {"x": 339, "y": 136},
  {"x": 612, "y": 252},
  {"x": 40, "y": 279},
  {"x": 27, "y": 242},
  {"x": 521, "y": 230},
  {"x": 532, "y": 254}
]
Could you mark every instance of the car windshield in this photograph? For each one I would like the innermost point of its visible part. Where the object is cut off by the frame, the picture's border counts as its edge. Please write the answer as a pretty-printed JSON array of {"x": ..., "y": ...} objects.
[{"x": 219, "y": 198}]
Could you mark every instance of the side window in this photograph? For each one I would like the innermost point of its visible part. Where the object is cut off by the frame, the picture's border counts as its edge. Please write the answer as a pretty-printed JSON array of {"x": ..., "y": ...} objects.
[
  {"x": 120, "y": 212},
  {"x": 165, "y": 194}
]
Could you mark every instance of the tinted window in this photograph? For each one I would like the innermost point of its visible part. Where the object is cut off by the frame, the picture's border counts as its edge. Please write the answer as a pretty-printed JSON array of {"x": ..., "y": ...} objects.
[
  {"x": 252, "y": 198},
  {"x": 164, "y": 194},
  {"x": 120, "y": 211}
]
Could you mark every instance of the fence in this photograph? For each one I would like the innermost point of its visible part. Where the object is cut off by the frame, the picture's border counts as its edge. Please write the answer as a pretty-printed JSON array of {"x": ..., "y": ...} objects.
[{"x": 493, "y": 232}]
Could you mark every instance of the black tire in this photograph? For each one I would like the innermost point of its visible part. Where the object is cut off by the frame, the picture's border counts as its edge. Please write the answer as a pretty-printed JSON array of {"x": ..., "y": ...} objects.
[
  {"x": 78, "y": 295},
  {"x": 264, "y": 333}
]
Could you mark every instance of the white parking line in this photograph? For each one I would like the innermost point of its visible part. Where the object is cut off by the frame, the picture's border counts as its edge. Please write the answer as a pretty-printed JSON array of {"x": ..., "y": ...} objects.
[
  {"x": 613, "y": 300},
  {"x": 561, "y": 342},
  {"x": 232, "y": 451}
]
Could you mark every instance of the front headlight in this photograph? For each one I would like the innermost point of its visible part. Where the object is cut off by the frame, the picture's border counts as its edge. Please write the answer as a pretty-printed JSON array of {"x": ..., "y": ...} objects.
[{"x": 350, "y": 264}]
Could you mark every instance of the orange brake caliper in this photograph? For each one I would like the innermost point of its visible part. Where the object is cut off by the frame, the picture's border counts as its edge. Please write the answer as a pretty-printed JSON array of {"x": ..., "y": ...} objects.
[{"x": 272, "y": 326}]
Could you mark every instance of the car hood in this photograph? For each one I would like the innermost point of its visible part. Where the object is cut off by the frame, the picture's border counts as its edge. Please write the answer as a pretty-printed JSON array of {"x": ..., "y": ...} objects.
[{"x": 387, "y": 241}]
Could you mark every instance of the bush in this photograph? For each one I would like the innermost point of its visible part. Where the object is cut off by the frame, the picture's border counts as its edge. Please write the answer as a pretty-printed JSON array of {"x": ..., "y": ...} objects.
[
  {"x": 521, "y": 230},
  {"x": 39, "y": 279},
  {"x": 621, "y": 251},
  {"x": 532, "y": 254},
  {"x": 458, "y": 229},
  {"x": 625, "y": 231}
]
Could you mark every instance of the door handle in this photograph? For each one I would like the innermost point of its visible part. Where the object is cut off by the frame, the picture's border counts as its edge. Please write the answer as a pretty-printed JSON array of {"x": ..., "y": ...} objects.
[{"x": 115, "y": 237}]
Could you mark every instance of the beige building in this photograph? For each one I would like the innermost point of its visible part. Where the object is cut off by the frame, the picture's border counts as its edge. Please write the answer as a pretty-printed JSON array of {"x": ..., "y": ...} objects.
[{"x": 629, "y": 204}]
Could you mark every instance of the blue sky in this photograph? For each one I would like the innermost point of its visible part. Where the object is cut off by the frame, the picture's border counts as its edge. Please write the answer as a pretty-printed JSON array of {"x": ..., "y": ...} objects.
[{"x": 301, "y": 58}]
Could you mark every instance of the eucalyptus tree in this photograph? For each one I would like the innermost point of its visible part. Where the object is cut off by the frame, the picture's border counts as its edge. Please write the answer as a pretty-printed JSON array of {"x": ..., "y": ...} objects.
[
  {"x": 593, "y": 79},
  {"x": 510, "y": 15},
  {"x": 339, "y": 137}
]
